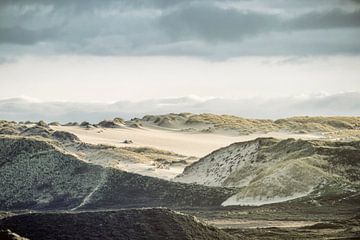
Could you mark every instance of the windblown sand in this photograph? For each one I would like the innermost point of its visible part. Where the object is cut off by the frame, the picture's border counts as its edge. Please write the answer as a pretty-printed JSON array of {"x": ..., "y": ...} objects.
[{"x": 189, "y": 144}]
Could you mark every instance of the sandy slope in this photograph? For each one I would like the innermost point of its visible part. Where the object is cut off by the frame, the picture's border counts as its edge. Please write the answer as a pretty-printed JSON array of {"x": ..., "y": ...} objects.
[{"x": 190, "y": 144}]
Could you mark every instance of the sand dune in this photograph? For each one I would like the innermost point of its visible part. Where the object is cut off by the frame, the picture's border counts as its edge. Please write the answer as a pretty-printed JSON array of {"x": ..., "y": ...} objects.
[{"x": 189, "y": 144}]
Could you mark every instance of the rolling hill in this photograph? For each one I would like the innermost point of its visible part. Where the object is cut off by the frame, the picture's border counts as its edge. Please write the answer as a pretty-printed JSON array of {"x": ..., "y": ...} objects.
[
  {"x": 38, "y": 173},
  {"x": 268, "y": 170},
  {"x": 229, "y": 124}
]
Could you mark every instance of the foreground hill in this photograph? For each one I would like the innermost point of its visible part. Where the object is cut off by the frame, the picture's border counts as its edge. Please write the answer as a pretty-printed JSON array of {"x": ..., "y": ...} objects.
[
  {"x": 38, "y": 173},
  {"x": 233, "y": 124},
  {"x": 9, "y": 235},
  {"x": 269, "y": 170},
  {"x": 124, "y": 224}
]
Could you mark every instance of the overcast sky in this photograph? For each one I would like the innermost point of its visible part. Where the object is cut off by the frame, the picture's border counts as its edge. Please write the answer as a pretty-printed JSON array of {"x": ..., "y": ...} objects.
[{"x": 107, "y": 51}]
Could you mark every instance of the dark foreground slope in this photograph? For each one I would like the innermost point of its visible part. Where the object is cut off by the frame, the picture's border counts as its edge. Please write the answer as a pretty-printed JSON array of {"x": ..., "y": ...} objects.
[
  {"x": 348, "y": 229},
  {"x": 36, "y": 173},
  {"x": 325, "y": 216},
  {"x": 123, "y": 224},
  {"x": 9, "y": 235}
]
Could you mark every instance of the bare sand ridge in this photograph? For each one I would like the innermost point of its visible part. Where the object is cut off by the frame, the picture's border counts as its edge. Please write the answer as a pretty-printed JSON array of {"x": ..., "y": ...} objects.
[{"x": 189, "y": 144}]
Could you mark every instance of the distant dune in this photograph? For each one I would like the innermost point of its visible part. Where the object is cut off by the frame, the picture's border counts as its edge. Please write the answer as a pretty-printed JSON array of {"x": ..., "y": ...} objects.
[{"x": 237, "y": 125}]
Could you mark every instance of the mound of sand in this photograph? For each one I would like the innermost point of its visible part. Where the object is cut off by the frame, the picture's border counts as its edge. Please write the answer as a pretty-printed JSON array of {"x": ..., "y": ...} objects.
[
  {"x": 108, "y": 124},
  {"x": 63, "y": 136}
]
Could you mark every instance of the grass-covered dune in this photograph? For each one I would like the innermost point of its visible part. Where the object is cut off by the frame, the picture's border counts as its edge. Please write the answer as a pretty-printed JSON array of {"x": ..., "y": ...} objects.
[
  {"x": 36, "y": 173},
  {"x": 207, "y": 122},
  {"x": 269, "y": 170}
]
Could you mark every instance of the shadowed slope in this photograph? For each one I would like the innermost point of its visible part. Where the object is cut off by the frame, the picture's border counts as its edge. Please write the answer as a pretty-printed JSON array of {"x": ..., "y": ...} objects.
[
  {"x": 123, "y": 224},
  {"x": 37, "y": 174}
]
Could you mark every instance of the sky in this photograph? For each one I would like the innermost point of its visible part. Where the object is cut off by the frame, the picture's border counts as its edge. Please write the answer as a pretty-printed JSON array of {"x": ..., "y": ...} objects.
[{"x": 132, "y": 50}]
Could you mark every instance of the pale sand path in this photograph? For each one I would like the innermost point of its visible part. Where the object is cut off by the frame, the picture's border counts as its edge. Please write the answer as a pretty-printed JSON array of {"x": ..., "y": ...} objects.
[
  {"x": 245, "y": 223},
  {"x": 189, "y": 144}
]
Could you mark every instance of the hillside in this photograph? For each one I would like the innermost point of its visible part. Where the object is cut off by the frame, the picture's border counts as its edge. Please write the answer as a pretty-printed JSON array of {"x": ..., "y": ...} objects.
[
  {"x": 143, "y": 160},
  {"x": 269, "y": 170},
  {"x": 68, "y": 173},
  {"x": 124, "y": 224},
  {"x": 9, "y": 235},
  {"x": 38, "y": 173},
  {"x": 206, "y": 122}
]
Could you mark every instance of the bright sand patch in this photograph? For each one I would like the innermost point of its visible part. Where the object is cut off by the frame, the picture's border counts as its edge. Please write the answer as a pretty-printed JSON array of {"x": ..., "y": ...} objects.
[
  {"x": 244, "y": 223},
  {"x": 185, "y": 143}
]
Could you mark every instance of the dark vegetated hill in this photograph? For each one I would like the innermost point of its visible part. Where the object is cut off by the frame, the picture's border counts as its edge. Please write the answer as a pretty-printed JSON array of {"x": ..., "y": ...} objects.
[
  {"x": 36, "y": 173},
  {"x": 131, "y": 224}
]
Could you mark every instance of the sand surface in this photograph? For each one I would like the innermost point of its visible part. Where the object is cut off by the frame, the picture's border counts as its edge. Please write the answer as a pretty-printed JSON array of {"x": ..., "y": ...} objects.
[
  {"x": 189, "y": 144},
  {"x": 242, "y": 223},
  {"x": 150, "y": 170}
]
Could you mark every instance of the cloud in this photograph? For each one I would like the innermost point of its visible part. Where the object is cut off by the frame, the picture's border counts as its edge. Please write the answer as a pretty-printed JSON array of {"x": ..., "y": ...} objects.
[
  {"x": 211, "y": 23},
  {"x": 5, "y": 60},
  {"x": 191, "y": 27},
  {"x": 19, "y": 35},
  {"x": 21, "y": 109},
  {"x": 208, "y": 22},
  {"x": 334, "y": 18}
]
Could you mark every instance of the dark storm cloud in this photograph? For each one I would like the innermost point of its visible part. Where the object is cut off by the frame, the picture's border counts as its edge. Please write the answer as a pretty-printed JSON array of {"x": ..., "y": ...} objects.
[
  {"x": 212, "y": 23},
  {"x": 19, "y": 35},
  {"x": 206, "y": 28},
  {"x": 91, "y": 4},
  {"x": 326, "y": 20}
]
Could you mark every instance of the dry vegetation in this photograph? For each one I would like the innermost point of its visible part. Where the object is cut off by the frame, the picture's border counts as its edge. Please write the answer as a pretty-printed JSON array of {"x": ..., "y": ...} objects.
[
  {"x": 268, "y": 170},
  {"x": 319, "y": 124},
  {"x": 334, "y": 127},
  {"x": 228, "y": 122},
  {"x": 110, "y": 156}
]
